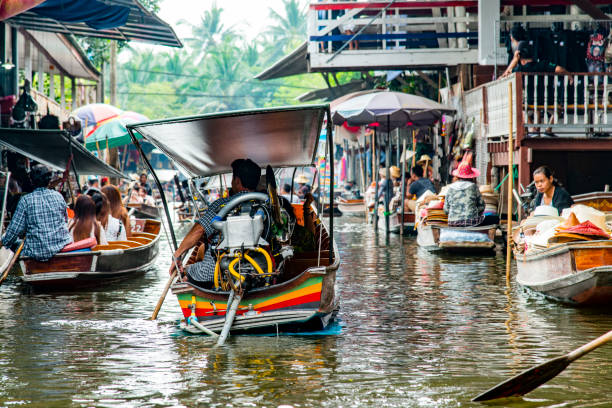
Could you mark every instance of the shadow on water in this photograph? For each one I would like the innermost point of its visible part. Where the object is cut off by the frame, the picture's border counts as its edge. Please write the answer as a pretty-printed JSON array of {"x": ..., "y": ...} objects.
[{"x": 415, "y": 329}]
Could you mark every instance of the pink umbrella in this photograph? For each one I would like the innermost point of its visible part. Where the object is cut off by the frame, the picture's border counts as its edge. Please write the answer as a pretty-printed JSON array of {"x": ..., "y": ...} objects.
[{"x": 94, "y": 113}]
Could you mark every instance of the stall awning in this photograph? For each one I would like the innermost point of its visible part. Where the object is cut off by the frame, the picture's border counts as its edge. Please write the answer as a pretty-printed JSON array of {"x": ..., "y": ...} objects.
[
  {"x": 51, "y": 148},
  {"x": 292, "y": 64},
  {"x": 206, "y": 145},
  {"x": 125, "y": 20}
]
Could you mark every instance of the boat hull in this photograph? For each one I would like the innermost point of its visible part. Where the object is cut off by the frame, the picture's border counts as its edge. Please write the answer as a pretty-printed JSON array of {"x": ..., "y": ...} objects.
[
  {"x": 428, "y": 237},
  {"x": 72, "y": 270},
  {"x": 354, "y": 208},
  {"x": 395, "y": 224},
  {"x": 574, "y": 273}
]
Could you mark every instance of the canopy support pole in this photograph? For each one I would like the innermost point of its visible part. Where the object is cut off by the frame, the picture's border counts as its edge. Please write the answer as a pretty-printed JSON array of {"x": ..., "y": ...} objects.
[
  {"x": 389, "y": 185},
  {"x": 158, "y": 183},
  {"x": 76, "y": 176},
  {"x": 330, "y": 144},
  {"x": 376, "y": 175},
  {"x": 403, "y": 188}
]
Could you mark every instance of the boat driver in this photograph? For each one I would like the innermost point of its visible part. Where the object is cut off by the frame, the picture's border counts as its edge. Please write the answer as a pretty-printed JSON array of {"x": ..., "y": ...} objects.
[
  {"x": 41, "y": 217},
  {"x": 245, "y": 178}
]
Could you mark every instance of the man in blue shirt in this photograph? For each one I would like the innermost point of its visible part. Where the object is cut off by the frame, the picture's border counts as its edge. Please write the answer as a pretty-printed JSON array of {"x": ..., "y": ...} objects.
[
  {"x": 246, "y": 174},
  {"x": 419, "y": 184},
  {"x": 41, "y": 217}
]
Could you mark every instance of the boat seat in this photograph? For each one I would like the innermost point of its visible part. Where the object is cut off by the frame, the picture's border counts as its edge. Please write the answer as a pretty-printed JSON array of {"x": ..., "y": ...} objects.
[
  {"x": 144, "y": 235},
  {"x": 109, "y": 247},
  {"x": 82, "y": 245},
  {"x": 141, "y": 240},
  {"x": 129, "y": 244}
]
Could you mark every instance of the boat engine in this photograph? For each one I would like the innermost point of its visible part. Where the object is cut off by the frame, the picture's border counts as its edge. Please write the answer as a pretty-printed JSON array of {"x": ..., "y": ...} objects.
[{"x": 244, "y": 255}]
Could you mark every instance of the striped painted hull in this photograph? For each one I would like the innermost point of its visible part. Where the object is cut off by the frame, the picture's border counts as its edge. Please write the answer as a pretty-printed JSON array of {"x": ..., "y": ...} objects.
[{"x": 304, "y": 303}]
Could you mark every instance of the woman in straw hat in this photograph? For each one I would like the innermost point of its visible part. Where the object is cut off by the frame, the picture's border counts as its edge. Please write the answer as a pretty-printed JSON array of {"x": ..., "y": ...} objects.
[
  {"x": 463, "y": 203},
  {"x": 303, "y": 187}
]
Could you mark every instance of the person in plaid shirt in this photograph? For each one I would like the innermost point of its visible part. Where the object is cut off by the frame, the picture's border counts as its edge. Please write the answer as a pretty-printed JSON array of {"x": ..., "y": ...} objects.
[
  {"x": 41, "y": 217},
  {"x": 246, "y": 174}
]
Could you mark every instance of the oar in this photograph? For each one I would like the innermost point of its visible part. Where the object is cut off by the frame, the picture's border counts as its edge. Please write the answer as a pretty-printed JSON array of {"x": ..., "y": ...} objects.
[
  {"x": 160, "y": 302},
  {"x": 532, "y": 378},
  {"x": 13, "y": 260}
]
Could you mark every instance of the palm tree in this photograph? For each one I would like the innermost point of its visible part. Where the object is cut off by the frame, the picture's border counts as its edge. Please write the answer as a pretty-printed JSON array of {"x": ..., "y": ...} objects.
[
  {"x": 289, "y": 29},
  {"x": 208, "y": 33}
]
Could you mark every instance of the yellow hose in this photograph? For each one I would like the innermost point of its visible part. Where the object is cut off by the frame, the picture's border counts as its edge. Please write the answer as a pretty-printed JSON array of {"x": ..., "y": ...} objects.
[
  {"x": 236, "y": 259},
  {"x": 267, "y": 256}
]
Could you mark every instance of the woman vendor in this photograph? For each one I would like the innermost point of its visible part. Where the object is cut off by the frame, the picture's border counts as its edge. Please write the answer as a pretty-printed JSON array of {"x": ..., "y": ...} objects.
[
  {"x": 463, "y": 203},
  {"x": 549, "y": 190}
]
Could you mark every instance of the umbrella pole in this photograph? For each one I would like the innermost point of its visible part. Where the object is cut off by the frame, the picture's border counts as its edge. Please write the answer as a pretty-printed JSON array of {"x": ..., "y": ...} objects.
[
  {"x": 376, "y": 175},
  {"x": 361, "y": 169},
  {"x": 389, "y": 185},
  {"x": 403, "y": 188}
]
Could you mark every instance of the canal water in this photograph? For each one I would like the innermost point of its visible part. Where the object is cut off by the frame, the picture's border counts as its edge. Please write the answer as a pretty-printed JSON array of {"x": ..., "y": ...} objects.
[{"x": 415, "y": 330}]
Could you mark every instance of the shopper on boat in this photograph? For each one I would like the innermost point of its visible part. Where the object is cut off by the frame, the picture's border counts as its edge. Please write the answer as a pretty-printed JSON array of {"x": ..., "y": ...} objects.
[
  {"x": 143, "y": 183},
  {"x": 418, "y": 186},
  {"x": 92, "y": 182},
  {"x": 117, "y": 210},
  {"x": 113, "y": 228},
  {"x": 549, "y": 190},
  {"x": 146, "y": 198},
  {"x": 84, "y": 224},
  {"x": 40, "y": 217},
  {"x": 463, "y": 202},
  {"x": 245, "y": 178}
]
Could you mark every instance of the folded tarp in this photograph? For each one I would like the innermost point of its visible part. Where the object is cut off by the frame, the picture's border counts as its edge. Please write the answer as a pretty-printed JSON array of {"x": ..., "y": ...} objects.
[{"x": 51, "y": 147}]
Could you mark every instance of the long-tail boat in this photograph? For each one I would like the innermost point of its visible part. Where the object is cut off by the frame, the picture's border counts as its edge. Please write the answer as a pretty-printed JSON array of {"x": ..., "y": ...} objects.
[
  {"x": 578, "y": 273},
  {"x": 291, "y": 288},
  {"x": 456, "y": 239},
  {"x": 100, "y": 264},
  {"x": 351, "y": 207},
  {"x": 395, "y": 224},
  {"x": 96, "y": 266}
]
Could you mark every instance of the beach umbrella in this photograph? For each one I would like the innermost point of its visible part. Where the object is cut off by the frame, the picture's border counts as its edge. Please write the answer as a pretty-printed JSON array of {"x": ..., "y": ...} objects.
[
  {"x": 390, "y": 110},
  {"x": 113, "y": 132},
  {"x": 94, "y": 113}
]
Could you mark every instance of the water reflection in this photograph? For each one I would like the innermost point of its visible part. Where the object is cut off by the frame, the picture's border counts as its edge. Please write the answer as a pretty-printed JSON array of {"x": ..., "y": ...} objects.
[{"x": 418, "y": 329}]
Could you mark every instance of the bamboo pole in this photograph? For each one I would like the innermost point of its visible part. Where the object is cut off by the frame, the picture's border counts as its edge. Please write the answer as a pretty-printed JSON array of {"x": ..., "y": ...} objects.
[
  {"x": 403, "y": 187},
  {"x": 510, "y": 182}
]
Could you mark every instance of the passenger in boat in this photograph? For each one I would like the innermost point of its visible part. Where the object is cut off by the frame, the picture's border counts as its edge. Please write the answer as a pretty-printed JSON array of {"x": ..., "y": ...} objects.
[
  {"x": 303, "y": 187},
  {"x": 92, "y": 182},
  {"x": 245, "y": 178},
  {"x": 117, "y": 210},
  {"x": 41, "y": 217},
  {"x": 84, "y": 224},
  {"x": 146, "y": 198},
  {"x": 549, "y": 190},
  {"x": 144, "y": 183},
  {"x": 286, "y": 192},
  {"x": 418, "y": 186},
  {"x": 113, "y": 228},
  {"x": 463, "y": 202}
]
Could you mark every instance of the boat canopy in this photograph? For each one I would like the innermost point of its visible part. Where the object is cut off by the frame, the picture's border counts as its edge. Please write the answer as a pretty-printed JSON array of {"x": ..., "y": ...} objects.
[
  {"x": 206, "y": 145},
  {"x": 51, "y": 147}
]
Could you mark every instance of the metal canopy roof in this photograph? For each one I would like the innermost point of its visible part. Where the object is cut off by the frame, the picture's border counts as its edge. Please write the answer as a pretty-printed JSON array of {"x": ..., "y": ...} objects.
[
  {"x": 206, "y": 145},
  {"x": 292, "y": 64},
  {"x": 51, "y": 147},
  {"x": 141, "y": 25}
]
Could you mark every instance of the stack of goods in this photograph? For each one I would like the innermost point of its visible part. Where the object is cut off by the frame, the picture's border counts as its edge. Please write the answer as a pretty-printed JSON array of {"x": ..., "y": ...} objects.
[
  {"x": 437, "y": 216},
  {"x": 491, "y": 199},
  {"x": 579, "y": 223}
]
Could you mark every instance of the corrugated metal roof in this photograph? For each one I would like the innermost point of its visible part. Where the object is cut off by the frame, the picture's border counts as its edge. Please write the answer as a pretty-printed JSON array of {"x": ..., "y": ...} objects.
[{"x": 140, "y": 26}]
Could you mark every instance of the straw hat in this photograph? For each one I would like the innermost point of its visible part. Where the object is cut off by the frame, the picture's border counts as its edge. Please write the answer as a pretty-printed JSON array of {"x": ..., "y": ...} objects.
[
  {"x": 486, "y": 189},
  {"x": 545, "y": 210},
  {"x": 585, "y": 213},
  {"x": 302, "y": 179},
  {"x": 424, "y": 158},
  {"x": 395, "y": 172}
]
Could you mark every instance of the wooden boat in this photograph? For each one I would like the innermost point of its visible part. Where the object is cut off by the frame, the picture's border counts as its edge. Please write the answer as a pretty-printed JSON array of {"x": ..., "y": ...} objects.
[
  {"x": 600, "y": 200},
  {"x": 299, "y": 294},
  {"x": 143, "y": 211},
  {"x": 395, "y": 224},
  {"x": 577, "y": 273},
  {"x": 352, "y": 207},
  {"x": 117, "y": 260},
  {"x": 472, "y": 239}
]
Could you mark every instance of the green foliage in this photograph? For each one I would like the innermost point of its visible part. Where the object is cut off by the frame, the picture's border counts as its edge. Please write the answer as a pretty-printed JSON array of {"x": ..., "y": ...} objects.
[{"x": 216, "y": 69}]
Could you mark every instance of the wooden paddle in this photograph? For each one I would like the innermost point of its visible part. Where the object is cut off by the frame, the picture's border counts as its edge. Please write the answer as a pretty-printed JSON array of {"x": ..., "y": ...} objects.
[
  {"x": 13, "y": 260},
  {"x": 160, "y": 302},
  {"x": 532, "y": 378}
]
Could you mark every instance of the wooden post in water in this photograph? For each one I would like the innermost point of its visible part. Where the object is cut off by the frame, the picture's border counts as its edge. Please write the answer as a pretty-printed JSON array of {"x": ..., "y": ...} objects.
[
  {"x": 403, "y": 187},
  {"x": 376, "y": 175},
  {"x": 510, "y": 182}
]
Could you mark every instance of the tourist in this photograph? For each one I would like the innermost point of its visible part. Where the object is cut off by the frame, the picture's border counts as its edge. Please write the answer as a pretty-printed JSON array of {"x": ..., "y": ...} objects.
[
  {"x": 40, "y": 217},
  {"x": 117, "y": 210},
  {"x": 144, "y": 184},
  {"x": 550, "y": 191},
  {"x": 146, "y": 198},
  {"x": 244, "y": 179},
  {"x": 463, "y": 202},
  {"x": 84, "y": 224},
  {"x": 92, "y": 182},
  {"x": 303, "y": 186}
]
